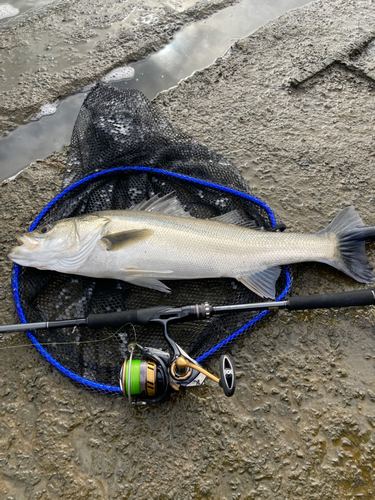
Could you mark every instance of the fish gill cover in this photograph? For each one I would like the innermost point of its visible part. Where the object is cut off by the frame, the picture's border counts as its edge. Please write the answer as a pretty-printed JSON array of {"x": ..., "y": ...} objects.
[{"x": 123, "y": 151}]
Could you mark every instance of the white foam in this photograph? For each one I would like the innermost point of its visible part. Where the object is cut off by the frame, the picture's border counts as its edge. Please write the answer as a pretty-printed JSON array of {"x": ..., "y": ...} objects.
[
  {"x": 122, "y": 73},
  {"x": 47, "y": 109},
  {"x": 7, "y": 10}
]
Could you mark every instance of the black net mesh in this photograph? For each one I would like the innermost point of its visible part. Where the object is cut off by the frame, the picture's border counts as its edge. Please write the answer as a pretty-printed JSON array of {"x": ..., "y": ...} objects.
[{"x": 121, "y": 128}]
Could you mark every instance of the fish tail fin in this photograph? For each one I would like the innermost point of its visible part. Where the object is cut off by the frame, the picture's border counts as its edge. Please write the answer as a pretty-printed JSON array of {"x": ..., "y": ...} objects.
[{"x": 351, "y": 235}]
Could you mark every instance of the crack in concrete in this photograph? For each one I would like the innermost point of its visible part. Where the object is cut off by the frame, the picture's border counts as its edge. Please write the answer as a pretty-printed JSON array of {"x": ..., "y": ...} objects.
[
  {"x": 336, "y": 63},
  {"x": 342, "y": 56}
]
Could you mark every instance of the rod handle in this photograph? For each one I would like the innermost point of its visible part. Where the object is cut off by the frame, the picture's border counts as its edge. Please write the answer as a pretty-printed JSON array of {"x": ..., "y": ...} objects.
[
  {"x": 119, "y": 319},
  {"x": 326, "y": 301}
]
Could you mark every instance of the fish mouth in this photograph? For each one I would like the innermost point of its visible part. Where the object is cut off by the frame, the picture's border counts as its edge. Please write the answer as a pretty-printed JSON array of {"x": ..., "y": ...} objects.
[
  {"x": 22, "y": 254},
  {"x": 28, "y": 241}
]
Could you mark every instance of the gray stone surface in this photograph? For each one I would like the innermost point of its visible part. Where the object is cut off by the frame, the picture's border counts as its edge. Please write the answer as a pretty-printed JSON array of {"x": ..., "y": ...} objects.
[{"x": 292, "y": 106}]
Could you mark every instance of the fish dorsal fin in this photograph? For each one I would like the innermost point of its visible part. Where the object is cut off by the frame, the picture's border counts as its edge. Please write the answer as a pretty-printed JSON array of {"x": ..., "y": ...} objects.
[
  {"x": 262, "y": 283},
  {"x": 123, "y": 239},
  {"x": 168, "y": 204},
  {"x": 235, "y": 217}
]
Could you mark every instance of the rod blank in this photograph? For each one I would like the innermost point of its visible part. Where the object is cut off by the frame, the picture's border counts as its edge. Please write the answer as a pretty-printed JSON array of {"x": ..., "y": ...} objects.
[{"x": 43, "y": 325}]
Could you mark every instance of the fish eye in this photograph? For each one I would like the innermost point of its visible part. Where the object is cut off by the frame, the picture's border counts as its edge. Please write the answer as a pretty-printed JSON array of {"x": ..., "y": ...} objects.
[{"x": 45, "y": 229}]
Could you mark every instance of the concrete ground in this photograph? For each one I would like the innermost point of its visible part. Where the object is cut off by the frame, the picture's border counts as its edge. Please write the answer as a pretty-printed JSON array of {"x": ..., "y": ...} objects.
[{"x": 292, "y": 106}]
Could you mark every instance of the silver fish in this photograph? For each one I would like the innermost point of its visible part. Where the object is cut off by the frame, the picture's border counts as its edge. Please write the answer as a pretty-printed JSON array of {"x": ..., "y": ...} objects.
[{"x": 158, "y": 240}]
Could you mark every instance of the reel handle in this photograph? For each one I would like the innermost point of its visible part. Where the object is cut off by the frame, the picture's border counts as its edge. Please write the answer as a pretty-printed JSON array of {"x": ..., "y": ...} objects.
[
  {"x": 227, "y": 375},
  {"x": 227, "y": 380},
  {"x": 181, "y": 362}
]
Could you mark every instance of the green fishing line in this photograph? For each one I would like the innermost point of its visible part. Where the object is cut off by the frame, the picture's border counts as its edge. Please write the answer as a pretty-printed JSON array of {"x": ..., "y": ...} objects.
[{"x": 135, "y": 377}]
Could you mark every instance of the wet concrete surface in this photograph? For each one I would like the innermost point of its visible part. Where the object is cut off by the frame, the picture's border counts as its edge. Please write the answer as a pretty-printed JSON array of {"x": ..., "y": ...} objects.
[
  {"x": 69, "y": 44},
  {"x": 292, "y": 106},
  {"x": 192, "y": 48}
]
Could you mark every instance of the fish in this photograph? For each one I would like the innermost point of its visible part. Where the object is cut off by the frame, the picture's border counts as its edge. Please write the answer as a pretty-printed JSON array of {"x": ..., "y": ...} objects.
[{"x": 158, "y": 240}]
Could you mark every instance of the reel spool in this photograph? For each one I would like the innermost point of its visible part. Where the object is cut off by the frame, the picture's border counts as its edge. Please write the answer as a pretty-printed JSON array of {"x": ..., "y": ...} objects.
[{"x": 145, "y": 379}]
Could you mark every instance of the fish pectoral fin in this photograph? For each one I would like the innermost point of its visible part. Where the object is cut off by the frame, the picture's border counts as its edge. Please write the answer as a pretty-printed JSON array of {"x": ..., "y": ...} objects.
[
  {"x": 116, "y": 241},
  {"x": 153, "y": 283},
  {"x": 262, "y": 283}
]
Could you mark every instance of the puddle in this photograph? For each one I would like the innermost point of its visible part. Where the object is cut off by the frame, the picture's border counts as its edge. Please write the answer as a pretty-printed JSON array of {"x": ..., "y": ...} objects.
[{"x": 194, "y": 47}]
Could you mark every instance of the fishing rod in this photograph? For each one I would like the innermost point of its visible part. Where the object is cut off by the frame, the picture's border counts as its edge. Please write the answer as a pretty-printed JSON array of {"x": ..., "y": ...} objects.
[
  {"x": 152, "y": 378},
  {"x": 202, "y": 311}
]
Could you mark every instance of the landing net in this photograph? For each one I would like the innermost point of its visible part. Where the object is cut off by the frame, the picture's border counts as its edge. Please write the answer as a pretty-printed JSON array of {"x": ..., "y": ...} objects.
[{"x": 123, "y": 151}]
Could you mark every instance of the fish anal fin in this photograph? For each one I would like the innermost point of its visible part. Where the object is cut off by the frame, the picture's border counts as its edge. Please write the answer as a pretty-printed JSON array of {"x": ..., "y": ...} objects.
[
  {"x": 123, "y": 239},
  {"x": 262, "y": 283}
]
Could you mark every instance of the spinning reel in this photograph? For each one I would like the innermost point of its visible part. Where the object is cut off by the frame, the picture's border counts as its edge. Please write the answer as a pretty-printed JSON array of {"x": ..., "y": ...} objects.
[{"x": 154, "y": 377}]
